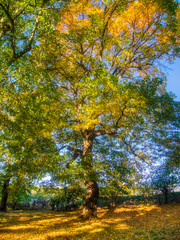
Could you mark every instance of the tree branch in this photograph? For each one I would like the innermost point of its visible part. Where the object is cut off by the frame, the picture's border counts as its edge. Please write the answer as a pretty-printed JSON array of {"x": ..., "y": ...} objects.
[
  {"x": 77, "y": 152},
  {"x": 21, "y": 11},
  {"x": 105, "y": 27},
  {"x": 7, "y": 13},
  {"x": 116, "y": 127},
  {"x": 17, "y": 55},
  {"x": 132, "y": 150}
]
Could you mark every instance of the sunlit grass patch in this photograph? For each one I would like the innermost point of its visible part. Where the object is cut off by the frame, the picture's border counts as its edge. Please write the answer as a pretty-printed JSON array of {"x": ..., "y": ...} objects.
[{"x": 125, "y": 223}]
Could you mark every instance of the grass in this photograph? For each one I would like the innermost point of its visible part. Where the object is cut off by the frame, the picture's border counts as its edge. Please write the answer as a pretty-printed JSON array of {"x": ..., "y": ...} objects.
[{"x": 151, "y": 222}]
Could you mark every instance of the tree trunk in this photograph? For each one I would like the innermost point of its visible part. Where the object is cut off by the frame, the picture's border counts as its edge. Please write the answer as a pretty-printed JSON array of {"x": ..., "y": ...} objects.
[
  {"x": 92, "y": 189},
  {"x": 165, "y": 192},
  {"x": 4, "y": 196},
  {"x": 90, "y": 205},
  {"x": 14, "y": 205},
  {"x": 115, "y": 201},
  {"x": 159, "y": 199}
]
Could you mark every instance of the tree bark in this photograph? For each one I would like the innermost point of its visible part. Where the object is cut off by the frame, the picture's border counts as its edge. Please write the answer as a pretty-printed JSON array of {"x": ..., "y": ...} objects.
[
  {"x": 92, "y": 189},
  {"x": 91, "y": 200},
  {"x": 4, "y": 195},
  {"x": 14, "y": 205},
  {"x": 165, "y": 192}
]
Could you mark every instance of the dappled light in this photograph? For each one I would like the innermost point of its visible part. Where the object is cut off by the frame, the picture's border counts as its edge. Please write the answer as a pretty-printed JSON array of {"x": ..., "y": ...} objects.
[
  {"x": 127, "y": 222},
  {"x": 89, "y": 135}
]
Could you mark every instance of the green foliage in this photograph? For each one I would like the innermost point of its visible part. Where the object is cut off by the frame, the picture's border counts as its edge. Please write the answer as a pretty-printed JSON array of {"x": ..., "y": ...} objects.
[
  {"x": 65, "y": 197},
  {"x": 22, "y": 24},
  {"x": 164, "y": 177},
  {"x": 19, "y": 191}
]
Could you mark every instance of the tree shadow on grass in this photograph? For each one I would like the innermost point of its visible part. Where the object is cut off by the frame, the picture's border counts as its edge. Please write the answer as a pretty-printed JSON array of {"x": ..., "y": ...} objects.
[
  {"x": 29, "y": 217},
  {"x": 134, "y": 222},
  {"x": 150, "y": 222}
]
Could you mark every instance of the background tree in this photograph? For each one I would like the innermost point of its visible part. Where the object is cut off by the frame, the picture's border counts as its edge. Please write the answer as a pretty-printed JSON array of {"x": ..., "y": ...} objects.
[
  {"x": 164, "y": 179},
  {"x": 5, "y": 176},
  {"x": 169, "y": 145},
  {"x": 64, "y": 197},
  {"x": 114, "y": 169},
  {"x": 22, "y": 24},
  {"x": 24, "y": 155},
  {"x": 112, "y": 191},
  {"x": 19, "y": 191}
]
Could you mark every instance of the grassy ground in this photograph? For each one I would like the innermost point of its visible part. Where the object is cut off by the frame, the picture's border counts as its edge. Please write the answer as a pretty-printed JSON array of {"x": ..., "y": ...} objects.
[{"x": 130, "y": 223}]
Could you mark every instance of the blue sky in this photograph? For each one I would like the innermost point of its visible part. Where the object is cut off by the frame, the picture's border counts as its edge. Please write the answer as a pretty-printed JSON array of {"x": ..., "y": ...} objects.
[{"x": 173, "y": 79}]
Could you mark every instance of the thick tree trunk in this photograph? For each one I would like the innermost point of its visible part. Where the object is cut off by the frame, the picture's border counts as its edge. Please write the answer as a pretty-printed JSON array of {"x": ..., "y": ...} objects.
[
  {"x": 92, "y": 189},
  {"x": 4, "y": 196},
  {"x": 90, "y": 205}
]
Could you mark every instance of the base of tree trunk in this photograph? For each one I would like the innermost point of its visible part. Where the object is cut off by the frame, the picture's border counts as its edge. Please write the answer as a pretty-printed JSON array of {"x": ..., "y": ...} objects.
[
  {"x": 3, "y": 210},
  {"x": 4, "y": 196},
  {"x": 90, "y": 205},
  {"x": 89, "y": 213}
]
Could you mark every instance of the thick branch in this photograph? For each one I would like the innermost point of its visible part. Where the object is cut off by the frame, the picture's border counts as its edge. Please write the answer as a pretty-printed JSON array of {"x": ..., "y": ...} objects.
[
  {"x": 77, "y": 152},
  {"x": 7, "y": 13},
  {"x": 105, "y": 28},
  {"x": 21, "y": 11},
  {"x": 116, "y": 127}
]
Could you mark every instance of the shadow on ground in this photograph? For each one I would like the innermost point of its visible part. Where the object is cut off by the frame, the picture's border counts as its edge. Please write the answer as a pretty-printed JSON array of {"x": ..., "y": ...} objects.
[{"x": 130, "y": 222}]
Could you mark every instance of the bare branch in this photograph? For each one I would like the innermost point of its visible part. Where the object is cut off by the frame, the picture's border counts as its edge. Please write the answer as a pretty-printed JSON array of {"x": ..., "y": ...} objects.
[{"x": 77, "y": 152}]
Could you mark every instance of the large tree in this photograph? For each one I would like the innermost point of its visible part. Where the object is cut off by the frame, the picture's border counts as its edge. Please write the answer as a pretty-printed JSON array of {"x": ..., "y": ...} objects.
[
  {"x": 104, "y": 60},
  {"x": 93, "y": 75}
]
